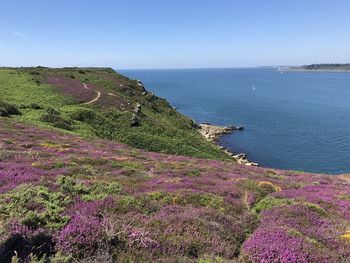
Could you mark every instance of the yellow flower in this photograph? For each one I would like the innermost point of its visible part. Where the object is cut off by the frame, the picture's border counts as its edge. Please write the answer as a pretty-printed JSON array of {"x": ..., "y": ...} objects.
[
  {"x": 175, "y": 199},
  {"x": 55, "y": 146},
  {"x": 276, "y": 188},
  {"x": 346, "y": 236},
  {"x": 35, "y": 164}
]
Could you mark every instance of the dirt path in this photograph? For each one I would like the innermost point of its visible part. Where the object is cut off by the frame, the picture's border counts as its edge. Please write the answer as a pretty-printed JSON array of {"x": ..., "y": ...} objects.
[{"x": 96, "y": 98}]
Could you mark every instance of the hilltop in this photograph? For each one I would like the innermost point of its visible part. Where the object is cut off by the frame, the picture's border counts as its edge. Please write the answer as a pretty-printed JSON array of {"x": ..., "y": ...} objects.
[{"x": 73, "y": 189}]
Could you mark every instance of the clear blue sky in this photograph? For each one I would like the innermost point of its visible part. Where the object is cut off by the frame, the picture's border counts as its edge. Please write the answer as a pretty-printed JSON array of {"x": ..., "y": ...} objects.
[{"x": 173, "y": 33}]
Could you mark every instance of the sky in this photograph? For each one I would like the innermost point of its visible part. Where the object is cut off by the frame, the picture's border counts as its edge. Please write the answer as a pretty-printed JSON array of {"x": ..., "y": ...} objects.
[{"x": 137, "y": 34}]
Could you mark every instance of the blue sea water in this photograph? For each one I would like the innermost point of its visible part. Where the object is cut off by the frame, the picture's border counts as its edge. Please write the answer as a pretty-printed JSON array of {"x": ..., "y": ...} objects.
[{"x": 294, "y": 120}]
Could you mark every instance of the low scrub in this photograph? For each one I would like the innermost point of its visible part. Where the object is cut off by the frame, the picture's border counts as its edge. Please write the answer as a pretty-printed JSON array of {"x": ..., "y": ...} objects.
[{"x": 7, "y": 109}]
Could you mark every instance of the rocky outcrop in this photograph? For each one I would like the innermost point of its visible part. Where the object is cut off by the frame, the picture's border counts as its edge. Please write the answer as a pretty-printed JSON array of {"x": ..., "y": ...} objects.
[
  {"x": 213, "y": 132},
  {"x": 134, "y": 121}
]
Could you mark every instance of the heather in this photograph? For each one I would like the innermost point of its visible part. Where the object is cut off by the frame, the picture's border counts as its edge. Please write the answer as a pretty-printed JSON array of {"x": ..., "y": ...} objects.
[{"x": 65, "y": 198}]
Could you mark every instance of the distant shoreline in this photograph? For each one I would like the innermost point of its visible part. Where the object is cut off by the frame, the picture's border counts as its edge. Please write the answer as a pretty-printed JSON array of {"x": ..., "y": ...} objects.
[{"x": 315, "y": 70}]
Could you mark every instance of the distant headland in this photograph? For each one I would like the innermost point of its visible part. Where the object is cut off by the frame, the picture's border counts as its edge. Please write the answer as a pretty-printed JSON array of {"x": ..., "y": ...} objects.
[{"x": 319, "y": 67}]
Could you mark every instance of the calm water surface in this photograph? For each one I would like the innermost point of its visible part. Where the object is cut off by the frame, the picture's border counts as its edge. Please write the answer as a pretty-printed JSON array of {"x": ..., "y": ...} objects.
[{"x": 294, "y": 120}]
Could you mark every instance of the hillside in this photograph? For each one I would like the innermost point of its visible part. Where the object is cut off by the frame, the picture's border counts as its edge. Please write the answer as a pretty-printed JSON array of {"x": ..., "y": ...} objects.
[
  {"x": 98, "y": 102},
  {"x": 76, "y": 185},
  {"x": 72, "y": 199},
  {"x": 321, "y": 67}
]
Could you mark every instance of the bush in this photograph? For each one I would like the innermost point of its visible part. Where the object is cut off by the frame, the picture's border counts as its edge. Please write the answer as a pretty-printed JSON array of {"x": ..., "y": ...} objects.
[
  {"x": 94, "y": 191},
  {"x": 271, "y": 202},
  {"x": 36, "y": 205},
  {"x": 83, "y": 115},
  {"x": 52, "y": 111},
  {"x": 34, "y": 106},
  {"x": 7, "y": 109},
  {"x": 56, "y": 120}
]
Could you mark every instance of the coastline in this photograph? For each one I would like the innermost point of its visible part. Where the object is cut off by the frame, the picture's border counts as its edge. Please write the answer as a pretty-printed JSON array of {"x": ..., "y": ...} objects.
[
  {"x": 312, "y": 70},
  {"x": 213, "y": 132}
]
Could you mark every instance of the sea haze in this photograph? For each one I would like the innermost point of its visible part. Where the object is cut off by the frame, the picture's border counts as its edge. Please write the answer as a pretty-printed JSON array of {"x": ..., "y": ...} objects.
[{"x": 292, "y": 120}]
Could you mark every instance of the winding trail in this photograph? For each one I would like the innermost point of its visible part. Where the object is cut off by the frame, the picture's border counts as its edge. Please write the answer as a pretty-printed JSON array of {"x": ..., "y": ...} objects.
[{"x": 96, "y": 98}]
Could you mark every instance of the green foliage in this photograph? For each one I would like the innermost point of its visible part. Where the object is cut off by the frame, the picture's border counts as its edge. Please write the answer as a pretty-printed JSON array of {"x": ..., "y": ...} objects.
[
  {"x": 59, "y": 258},
  {"x": 194, "y": 172},
  {"x": 34, "y": 106},
  {"x": 84, "y": 115},
  {"x": 52, "y": 111},
  {"x": 95, "y": 190},
  {"x": 7, "y": 109},
  {"x": 36, "y": 205},
  {"x": 271, "y": 202},
  {"x": 130, "y": 202},
  {"x": 252, "y": 186},
  {"x": 57, "y": 121}
]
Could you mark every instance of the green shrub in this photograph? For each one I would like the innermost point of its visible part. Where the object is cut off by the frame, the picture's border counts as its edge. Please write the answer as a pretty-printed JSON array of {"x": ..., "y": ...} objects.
[
  {"x": 93, "y": 191},
  {"x": 19, "y": 203},
  {"x": 52, "y": 111},
  {"x": 83, "y": 115},
  {"x": 7, "y": 109},
  {"x": 57, "y": 121},
  {"x": 271, "y": 202},
  {"x": 34, "y": 106},
  {"x": 62, "y": 124}
]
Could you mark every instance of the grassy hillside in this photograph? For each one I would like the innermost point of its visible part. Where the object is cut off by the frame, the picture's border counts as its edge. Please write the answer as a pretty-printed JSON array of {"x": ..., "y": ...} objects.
[
  {"x": 68, "y": 199},
  {"x": 57, "y": 98}
]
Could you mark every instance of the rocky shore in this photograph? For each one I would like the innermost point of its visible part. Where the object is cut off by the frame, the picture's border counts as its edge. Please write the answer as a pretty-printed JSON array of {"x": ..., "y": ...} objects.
[{"x": 213, "y": 132}]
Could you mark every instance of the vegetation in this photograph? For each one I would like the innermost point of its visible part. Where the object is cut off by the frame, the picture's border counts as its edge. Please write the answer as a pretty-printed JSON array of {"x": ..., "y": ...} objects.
[
  {"x": 57, "y": 98},
  {"x": 69, "y": 192},
  {"x": 64, "y": 198}
]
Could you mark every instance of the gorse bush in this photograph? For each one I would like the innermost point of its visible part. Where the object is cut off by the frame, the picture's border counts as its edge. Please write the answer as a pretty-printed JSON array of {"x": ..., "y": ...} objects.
[
  {"x": 92, "y": 191},
  {"x": 22, "y": 201},
  {"x": 271, "y": 202},
  {"x": 54, "y": 117},
  {"x": 7, "y": 109},
  {"x": 84, "y": 115},
  {"x": 52, "y": 111}
]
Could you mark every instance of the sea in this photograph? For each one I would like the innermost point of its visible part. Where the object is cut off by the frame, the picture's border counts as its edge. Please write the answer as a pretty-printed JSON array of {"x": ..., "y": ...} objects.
[{"x": 292, "y": 120}]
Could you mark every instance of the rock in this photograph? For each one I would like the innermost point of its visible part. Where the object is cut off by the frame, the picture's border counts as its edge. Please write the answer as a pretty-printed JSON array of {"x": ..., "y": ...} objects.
[
  {"x": 137, "y": 109},
  {"x": 213, "y": 132},
  {"x": 134, "y": 121}
]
